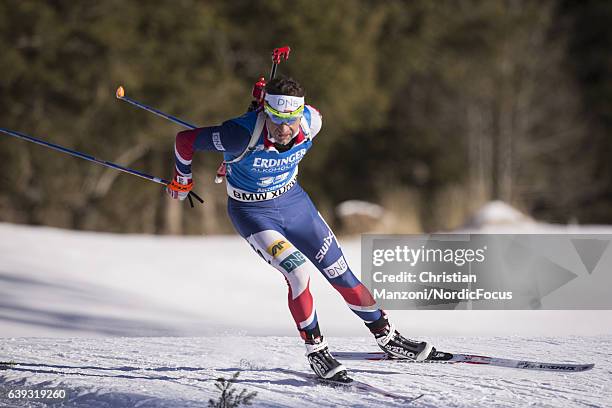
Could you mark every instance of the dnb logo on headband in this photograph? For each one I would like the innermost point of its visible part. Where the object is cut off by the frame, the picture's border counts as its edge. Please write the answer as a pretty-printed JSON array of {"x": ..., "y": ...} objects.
[{"x": 286, "y": 104}]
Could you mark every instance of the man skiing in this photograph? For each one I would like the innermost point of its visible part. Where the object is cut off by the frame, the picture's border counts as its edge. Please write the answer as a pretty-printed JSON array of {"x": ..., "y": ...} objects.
[{"x": 268, "y": 207}]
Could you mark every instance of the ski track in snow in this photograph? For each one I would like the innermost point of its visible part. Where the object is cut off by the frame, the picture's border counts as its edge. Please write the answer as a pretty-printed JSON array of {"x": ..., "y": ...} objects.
[{"x": 181, "y": 372}]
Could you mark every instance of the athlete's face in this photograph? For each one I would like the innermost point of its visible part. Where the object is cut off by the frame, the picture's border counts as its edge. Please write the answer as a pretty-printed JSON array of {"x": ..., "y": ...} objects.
[{"x": 283, "y": 133}]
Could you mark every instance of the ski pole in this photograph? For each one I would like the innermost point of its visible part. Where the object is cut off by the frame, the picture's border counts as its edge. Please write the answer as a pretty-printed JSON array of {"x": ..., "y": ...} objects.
[
  {"x": 259, "y": 91},
  {"x": 93, "y": 159},
  {"x": 278, "y": 54},
  {"x": 121, "y": 95}
]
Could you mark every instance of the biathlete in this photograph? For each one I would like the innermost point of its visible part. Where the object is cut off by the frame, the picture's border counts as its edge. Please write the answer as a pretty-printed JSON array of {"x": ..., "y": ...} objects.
[{"x": 268, "y": 208}]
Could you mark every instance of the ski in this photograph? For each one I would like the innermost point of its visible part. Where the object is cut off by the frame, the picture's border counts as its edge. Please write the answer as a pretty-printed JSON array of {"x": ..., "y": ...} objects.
[
  {"x": 355, "y": 385},
  {"x": 442, "y": 357}
]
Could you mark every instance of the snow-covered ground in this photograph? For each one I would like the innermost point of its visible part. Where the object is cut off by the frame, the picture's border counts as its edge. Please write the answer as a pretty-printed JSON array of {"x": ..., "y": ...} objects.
[
  {"x": 65, "y": 283},
  {"x": 63, "y": 293},
  {"x": 181, "y": 372}
]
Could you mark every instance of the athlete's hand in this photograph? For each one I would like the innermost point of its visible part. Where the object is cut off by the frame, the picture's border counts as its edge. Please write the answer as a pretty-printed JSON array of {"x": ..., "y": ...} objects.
[{"x": 180, "y": 187}]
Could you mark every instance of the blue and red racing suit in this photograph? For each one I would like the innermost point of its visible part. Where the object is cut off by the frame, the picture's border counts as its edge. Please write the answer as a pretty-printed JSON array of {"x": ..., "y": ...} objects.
[{"x": 275, "y": 215}]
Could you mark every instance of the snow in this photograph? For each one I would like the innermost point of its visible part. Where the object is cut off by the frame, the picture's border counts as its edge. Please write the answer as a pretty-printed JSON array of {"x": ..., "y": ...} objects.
[
  {"x": 498, "y": 217},
  {"x": 181, "y": 372},
  {"x": 498, "y": 213},
  {"x": 90, "y": 284},
  {"x": 182, "y": 311},
  {"x": 357, "y": 207}
]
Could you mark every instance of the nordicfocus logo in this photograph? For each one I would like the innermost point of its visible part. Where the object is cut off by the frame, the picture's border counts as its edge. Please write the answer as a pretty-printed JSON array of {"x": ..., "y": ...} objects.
[
  {"x": 278, "y": 247},
  {"x": 268, "y": 163},
  {"x": 337, "y": 268},
  {"x": 326, "y": 245},
  {"x": 292, "y": 261},
  {"x": 247, "y": 197}
]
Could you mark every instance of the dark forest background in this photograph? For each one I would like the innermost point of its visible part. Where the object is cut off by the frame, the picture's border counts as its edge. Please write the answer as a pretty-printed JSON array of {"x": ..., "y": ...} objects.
[{"x": 431, "y": 108}]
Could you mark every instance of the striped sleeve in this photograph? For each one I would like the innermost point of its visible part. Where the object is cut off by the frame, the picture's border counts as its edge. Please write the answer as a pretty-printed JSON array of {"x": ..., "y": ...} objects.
[{"x": 183, "y": 151}]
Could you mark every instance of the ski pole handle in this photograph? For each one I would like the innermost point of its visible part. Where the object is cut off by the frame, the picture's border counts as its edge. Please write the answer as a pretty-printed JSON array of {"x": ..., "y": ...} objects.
[{"x": 278, "y": 54}]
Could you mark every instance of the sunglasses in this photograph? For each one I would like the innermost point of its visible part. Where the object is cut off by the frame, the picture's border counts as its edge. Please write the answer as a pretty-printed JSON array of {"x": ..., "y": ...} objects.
[
  {"x": 288, "y": 121},
  {"x": 278, "y": 118}
]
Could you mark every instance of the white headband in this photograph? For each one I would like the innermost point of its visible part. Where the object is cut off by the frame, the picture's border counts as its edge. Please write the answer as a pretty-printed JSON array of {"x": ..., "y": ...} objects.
[{"x": 284, "y": 103}]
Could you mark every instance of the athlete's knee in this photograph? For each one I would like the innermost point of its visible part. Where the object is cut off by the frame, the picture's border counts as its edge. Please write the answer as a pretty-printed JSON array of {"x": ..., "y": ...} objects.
[
  {"x": 276, "y": 249},
  {"x": 268, "y": 244},
  {"x": 297, "y": 272}
]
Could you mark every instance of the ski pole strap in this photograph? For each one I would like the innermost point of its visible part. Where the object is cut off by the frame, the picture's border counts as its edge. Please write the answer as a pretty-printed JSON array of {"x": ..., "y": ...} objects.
[
  {"x": 176, "y": 186},
  {"x": 194, "y": 195},
  {"x": 184, "y": 188}
]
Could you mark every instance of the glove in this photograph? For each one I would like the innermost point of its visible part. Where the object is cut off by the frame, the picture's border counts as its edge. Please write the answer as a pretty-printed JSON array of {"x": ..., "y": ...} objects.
[{"x": 180, "y": 187}]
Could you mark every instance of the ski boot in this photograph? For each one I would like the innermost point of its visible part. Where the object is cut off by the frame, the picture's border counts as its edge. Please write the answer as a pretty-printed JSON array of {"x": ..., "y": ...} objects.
[
  {"x": 397, "y": 346},
  {"x": 323, "y": 363}
]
